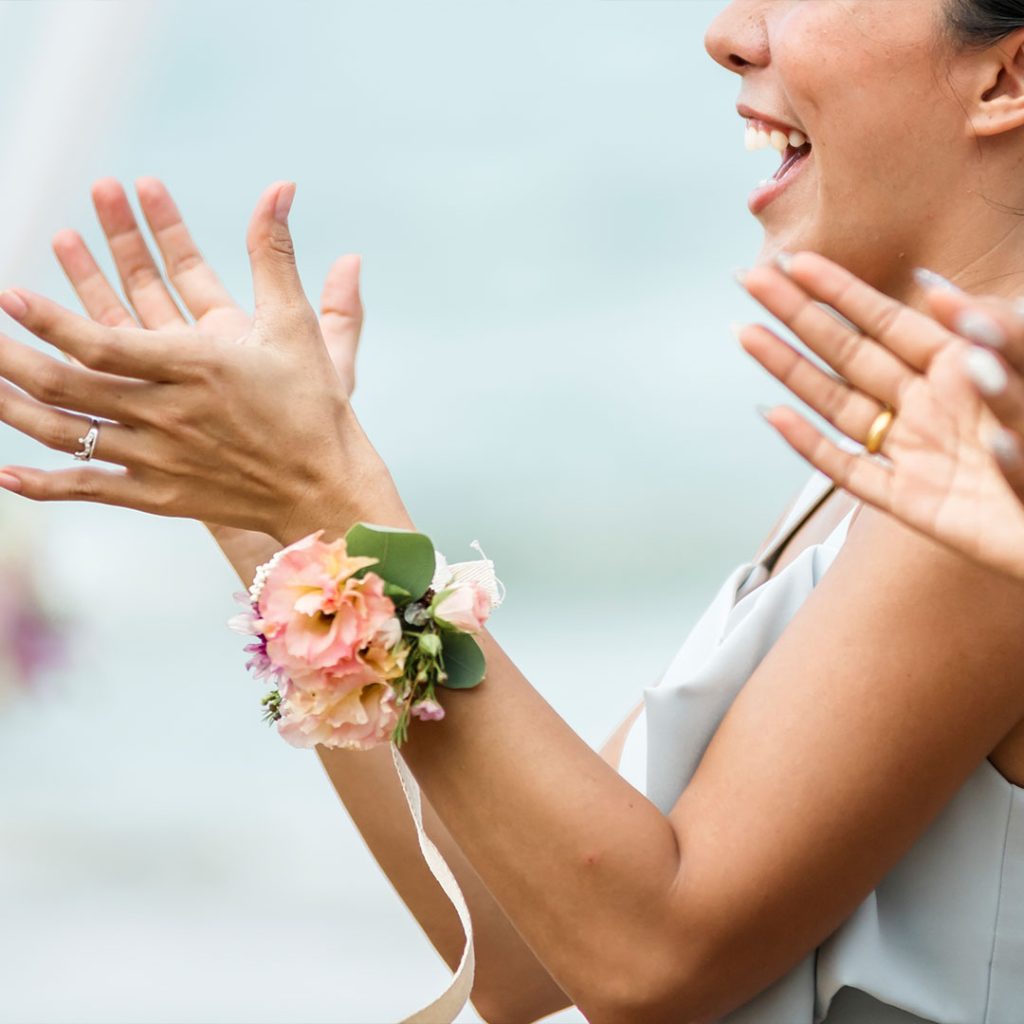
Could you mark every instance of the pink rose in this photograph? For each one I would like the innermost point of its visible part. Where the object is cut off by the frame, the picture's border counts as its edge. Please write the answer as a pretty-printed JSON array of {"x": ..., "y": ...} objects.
[
  {"x": 353, "y": 719},
  {"x": 316, "y": 614},
  {"x": 464, "y": 607}
]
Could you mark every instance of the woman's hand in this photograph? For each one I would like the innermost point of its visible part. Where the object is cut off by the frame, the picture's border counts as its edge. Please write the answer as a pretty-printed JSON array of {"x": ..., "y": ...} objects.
[
  {"x": 214, "y": 311},
  {"x": 938, "y": 474},
  {"x": 239, "y": 425}
]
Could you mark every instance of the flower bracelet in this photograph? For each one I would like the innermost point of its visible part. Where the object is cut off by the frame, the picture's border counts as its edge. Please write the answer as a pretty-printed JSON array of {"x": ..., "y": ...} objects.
[{"x": 353, "y": 653}]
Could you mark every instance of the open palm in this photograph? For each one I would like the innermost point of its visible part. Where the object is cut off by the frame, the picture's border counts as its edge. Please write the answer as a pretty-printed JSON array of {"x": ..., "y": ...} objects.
[{"x": 935, "y": 471}]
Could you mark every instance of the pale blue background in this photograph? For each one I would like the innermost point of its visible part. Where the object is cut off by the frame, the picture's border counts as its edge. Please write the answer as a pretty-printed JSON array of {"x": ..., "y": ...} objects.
[{"x": 550, "y": 198}]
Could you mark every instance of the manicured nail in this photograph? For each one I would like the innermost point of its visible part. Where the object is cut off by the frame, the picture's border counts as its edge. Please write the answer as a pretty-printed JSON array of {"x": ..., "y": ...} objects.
[
  {"x": 763, "y": 411},
  {"x": 283, "y": 206},
  {"x": 929, "y": 279},
  {"x": 736, "y": 327},
  {"x": 986, "y": 372},
  {"x": 13, "y": 304},
  {"x": 979, "y": 327},
  {"x": 1018, "y": 307},
  {"x": 740, "y": 273},
  {"x": 1005, "y": 446},
  {"x": 784, "y": 260},
  {"x": 10, "y": 483}
]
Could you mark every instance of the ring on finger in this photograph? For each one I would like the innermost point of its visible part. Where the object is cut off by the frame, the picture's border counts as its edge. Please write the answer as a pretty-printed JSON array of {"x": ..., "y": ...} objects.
[
  {"x": 88, "y": 442},
  {"x": 880, "y": 427}
]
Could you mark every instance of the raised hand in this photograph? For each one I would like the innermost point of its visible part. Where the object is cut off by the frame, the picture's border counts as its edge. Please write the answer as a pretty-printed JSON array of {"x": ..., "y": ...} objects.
[
  {"x": 935, "y": 470},
  {"x": 205, "y": 299},
  {"x": 242, "y": 426}
]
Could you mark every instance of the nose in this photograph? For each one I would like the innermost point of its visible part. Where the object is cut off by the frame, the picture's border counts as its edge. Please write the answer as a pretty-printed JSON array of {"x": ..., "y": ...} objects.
[{"x": 737, "y": 38}]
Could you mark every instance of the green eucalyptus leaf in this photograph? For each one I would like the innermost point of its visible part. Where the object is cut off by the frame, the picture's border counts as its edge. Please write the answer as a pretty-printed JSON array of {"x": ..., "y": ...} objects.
[
  {"x": 463, "y": 661},
  {"x": 393, "y": 589},
  {"x": 404, "y": 558}
]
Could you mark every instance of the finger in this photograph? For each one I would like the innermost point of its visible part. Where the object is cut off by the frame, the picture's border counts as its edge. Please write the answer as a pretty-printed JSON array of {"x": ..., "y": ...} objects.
[
  {"x": 85, "y": 483},
  {"x": 126, "y": 351},
  {"x": 868, "y": 366},
  {"x": 193, "y": 278},
  {"x": 1000, "y": 388},
  {"x": 844, "y": 407},
  {"x": 912, "y": 337},
  {"x": 62, "y": 431},
  {"x": 341, "y": 316},
  {"x": 992, "y": 322},
  {"x": 65, "y": 386},
  {"x": 145, "y": 287},
  {"x": 275, "y": 277},
  {"x": 98, "y": 297},
  {"x": 1008, "y": 450},
  {"x": 862, "y": 476}
]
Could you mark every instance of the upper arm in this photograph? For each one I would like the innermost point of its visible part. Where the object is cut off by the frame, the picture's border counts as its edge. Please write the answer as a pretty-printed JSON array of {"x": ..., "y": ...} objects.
[{"x": 896, "y": 678}]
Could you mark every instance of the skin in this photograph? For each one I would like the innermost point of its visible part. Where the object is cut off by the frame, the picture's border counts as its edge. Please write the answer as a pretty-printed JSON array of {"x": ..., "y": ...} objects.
[
  {"x": 637, "y": 915},
  {"x": 942, "y": 476}
]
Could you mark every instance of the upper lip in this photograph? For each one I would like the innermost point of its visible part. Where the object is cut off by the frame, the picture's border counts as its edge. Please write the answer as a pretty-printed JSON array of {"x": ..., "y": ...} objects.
[{"x": 751, "y": 114}]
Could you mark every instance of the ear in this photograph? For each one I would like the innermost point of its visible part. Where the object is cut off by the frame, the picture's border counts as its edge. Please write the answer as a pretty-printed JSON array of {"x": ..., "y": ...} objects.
[{"x": 996, "y": 99}]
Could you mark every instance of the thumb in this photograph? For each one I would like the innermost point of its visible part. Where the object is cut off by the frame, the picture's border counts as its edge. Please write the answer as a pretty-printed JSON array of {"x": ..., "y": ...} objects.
[{"x": 275, "y": 277}]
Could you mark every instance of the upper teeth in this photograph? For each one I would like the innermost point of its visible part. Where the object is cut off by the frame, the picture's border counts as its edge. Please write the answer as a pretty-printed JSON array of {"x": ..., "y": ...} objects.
[{"x": 759, "y": 137}]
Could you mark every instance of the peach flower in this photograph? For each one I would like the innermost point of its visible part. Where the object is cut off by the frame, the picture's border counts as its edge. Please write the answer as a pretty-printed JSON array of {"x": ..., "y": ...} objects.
[
  {"x": 316, "y": 614},
  {"x": 354, "y": 719}
]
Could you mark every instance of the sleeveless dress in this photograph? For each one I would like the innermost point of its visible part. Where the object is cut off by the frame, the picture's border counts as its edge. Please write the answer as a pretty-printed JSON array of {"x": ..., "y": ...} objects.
[{"x": 941, "y": 938}]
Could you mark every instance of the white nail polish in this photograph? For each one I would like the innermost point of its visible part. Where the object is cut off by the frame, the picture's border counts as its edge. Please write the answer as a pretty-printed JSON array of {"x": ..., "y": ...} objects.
[
  {"x": 979, "y": 327},
  {"x": 1005, "y": 446},
  {"x": 926, "y": 278},
  {"x": 784, "y": 260},
  {"x": 986, "y": 371}
]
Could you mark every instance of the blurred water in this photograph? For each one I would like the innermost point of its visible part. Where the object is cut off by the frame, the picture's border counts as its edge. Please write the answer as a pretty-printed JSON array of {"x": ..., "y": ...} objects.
[{"x": 549, "y": 197}]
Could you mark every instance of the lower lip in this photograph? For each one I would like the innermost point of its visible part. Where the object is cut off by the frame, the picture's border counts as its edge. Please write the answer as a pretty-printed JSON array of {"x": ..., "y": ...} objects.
[{"x": 762, "y": 195}]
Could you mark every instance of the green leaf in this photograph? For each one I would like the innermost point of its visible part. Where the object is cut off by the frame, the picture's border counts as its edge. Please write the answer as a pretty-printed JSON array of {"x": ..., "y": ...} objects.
[
  {"x": 393, "y": 590},
  {"x": 463, "y": 661},
  {"x": 404, "y": 558}
]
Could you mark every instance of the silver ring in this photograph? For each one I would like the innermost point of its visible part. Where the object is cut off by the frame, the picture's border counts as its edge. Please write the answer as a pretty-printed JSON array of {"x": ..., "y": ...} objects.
[{"x": 88, "y": 442}]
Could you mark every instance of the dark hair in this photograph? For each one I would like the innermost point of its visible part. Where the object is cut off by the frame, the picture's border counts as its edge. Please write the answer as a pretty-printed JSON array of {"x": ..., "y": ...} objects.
[{"x": 983, "y": 22}]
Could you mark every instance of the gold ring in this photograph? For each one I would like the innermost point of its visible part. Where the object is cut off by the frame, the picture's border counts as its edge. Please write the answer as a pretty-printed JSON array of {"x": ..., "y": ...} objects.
[{"x": 879, "y": 428}]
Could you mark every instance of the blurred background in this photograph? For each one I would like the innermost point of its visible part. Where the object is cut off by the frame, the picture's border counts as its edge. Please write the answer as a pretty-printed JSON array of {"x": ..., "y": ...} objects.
[{"x": 549, "y": 198}]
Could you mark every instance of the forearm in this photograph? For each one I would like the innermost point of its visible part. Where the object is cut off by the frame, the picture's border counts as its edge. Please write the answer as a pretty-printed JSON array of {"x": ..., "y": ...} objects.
[
  {"x": 508, "y": 975},
  {"x": 582, "y": 864}
]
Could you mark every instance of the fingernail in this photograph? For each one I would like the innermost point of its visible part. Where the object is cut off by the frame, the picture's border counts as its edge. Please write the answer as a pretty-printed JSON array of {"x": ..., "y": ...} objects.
[
  {"x": 283, "y": 206},
  {"x": 740, "y": 273},
  {"x": 986, "y": 372},
  {"x": 10, "y": 483},
  {"x": 979, "y": 327},
  {"x": 1018, "y": 307},
  {"x": 763, "y": 411},
  {"x": 736, "y": 327},
  {"x": 784, "y": 260},
  {"x": 13, "y": 304},
  {"x": 929, "y": 279},
  {"x": 1005, "y": 446}
]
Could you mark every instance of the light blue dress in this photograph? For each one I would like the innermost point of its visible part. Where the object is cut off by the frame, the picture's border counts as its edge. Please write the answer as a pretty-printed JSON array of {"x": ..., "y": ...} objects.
[{"x": 941, "y": 938}]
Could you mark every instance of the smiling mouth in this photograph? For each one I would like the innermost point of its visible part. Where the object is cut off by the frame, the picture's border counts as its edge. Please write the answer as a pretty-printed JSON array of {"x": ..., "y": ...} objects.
[{"x": 793, "y": 146}]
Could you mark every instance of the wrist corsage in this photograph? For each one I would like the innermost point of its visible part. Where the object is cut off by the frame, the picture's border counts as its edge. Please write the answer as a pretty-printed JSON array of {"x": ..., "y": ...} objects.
[{"x": 356, "y": 635}]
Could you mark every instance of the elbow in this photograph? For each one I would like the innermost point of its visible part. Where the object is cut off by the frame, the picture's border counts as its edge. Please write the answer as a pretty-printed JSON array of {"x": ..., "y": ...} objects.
[{"x": 652, "y": 988}]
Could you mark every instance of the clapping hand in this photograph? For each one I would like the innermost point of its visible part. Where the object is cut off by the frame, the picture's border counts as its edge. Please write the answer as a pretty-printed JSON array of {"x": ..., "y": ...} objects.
[
  {"x": 935, "y": 469},
  {"x": 205, "y": 299},
  {"x": 238, "y": 423}
]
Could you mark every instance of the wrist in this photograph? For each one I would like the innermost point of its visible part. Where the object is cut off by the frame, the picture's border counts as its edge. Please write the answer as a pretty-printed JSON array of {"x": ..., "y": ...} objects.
[{"x": 369, "y": 495}]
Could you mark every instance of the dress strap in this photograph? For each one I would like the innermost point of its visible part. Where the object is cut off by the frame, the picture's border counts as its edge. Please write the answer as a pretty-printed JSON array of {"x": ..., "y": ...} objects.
[{"x": 761, "y": 569}]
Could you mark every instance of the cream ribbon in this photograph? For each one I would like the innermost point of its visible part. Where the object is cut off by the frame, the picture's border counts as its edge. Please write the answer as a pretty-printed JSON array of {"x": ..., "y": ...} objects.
[{"x": 447, "y": 1006}]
